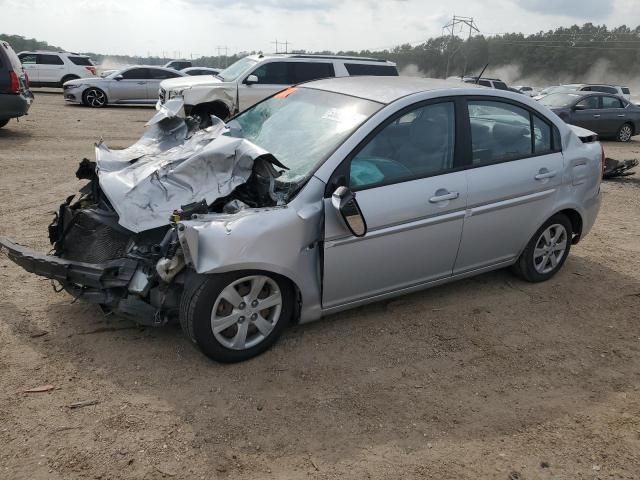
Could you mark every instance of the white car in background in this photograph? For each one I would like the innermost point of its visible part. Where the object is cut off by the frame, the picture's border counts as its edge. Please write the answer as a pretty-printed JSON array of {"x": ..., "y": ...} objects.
[
  {"x": 194, "y": 71},
  {"x": 52, "y": 69},
  {"x": 529, "y": 91},
  {"x": 132, "y": 85},
  {"x": 256, "y": 77}
]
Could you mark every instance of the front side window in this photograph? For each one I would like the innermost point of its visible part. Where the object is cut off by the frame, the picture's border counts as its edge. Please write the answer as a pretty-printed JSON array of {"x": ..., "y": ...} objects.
[
  {"x": 28, "y": 58},
  {"x": 418, "y": 144},
  {"x": 589, "y": 103},
  {"x": 136, "y": 74},
  {"x": 301, "y": 127},
  {"x": 499, "y": 132},
  {"x": 274, "y": 73},
  {"x": 611, "y": 102},
  {"x": 49, "y": 60}
]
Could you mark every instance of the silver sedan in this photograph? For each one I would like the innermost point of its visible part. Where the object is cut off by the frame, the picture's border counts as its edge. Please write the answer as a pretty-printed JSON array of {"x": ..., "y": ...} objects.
[
  {"x": 132, "y": 85},
  {"x": 326, "y": 196}
]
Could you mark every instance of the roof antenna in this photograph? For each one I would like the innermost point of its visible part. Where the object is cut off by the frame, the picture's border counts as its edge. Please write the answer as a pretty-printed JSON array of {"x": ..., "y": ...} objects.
[{"x": 481, "y": 73}]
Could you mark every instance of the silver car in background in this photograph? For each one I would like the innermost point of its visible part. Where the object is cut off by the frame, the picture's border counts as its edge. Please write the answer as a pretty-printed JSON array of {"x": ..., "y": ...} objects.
[
  {"x": 132, "y": 85},
  {"x": 326, "y": 196}
]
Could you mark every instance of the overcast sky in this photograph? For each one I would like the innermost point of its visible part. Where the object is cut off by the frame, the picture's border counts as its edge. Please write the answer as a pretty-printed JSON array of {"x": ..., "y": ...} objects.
[{"x": 199, "y": 27}]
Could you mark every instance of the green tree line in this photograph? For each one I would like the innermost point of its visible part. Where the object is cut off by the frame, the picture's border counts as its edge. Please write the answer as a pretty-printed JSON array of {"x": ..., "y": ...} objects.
[{"x": 553, "y": 55}]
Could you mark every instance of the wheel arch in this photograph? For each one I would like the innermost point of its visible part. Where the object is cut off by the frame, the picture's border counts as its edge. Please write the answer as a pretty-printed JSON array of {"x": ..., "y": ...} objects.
[
  {"x": 576, "y": 220},
  {"x": 213, "y": 107}
]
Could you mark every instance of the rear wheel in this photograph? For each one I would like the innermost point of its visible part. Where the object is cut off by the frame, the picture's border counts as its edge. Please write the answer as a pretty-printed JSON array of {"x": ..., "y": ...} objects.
[
  {"x": 547, "y": 251},
  {"x": 67, "y": 78},
  {"x": 625, "y": 133},
  {"x": 94, "y": 97},
  {"x": 235, "y": 316},
  {"x": 4, "y": 123}
]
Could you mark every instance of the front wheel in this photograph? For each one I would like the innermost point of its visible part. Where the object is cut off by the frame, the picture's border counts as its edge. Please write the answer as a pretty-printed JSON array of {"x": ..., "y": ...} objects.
[
  {"x": 95, "y": 98},
  {"x": 625, "y": 133},
  {"x": 235, "y": 316},
  {"x": 547, "y": 251}
]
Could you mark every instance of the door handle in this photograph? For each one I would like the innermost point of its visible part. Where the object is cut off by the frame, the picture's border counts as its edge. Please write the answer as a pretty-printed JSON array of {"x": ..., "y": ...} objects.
[
  {"x": 444, "y": 196},
  {"x": 621, "y": 116},
  {"x": 142, "y": 83},
  {"x": 596, "y": 116},
  {"x": 543, "y": 174}
]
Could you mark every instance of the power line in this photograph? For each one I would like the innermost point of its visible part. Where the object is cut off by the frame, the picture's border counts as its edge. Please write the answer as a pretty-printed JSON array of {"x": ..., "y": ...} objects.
[{"x": 462, "y": 22}]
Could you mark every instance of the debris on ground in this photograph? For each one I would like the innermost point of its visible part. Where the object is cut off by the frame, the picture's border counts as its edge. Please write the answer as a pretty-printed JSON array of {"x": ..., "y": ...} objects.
[
  {"x": 41, "y": 389},
  {"x": 618, "y": 168},
  {"x": 84, "y": 403}
]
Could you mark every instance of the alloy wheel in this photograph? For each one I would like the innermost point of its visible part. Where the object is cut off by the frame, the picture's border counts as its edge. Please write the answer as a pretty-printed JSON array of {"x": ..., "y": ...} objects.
[
  {"x": 550, "y": 249},
  {"x": 625, "y": 133},
  {"x": 246, "y": 312},
  {"x": 96, "y": 98}
]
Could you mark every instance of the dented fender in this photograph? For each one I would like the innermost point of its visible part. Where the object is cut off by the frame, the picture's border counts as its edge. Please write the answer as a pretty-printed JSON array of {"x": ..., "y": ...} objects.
[{"x": 284, "y": 240}]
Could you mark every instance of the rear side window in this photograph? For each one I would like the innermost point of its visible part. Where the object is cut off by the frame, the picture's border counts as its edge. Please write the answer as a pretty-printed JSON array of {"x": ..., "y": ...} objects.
[
  {"x": 136, "y": 74},
  {"x": 274, "y": 73},
  {"x": 355, "y": 69},
  {"x": 610, "y": 102},
  {"x": 43, "y": 59},
  {"x": 500, "y": 86},
  {"x": 542, "y": 136},
  {"x": 604, "y": 89},
  {"x": 499, "y": 132},
  {"x": 305, "y": 71},
  {"x": 484, "y": 83},
  {"x": 82, "y": 61},
  {"x": 158, "y": 74},
  {"x": 626, "y": 91}
]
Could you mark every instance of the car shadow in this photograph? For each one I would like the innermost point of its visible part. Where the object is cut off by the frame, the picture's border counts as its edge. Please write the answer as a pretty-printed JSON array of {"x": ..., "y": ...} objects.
[
  {"x": 13, "y": 130},
  {"x": 486, "y": 350}
]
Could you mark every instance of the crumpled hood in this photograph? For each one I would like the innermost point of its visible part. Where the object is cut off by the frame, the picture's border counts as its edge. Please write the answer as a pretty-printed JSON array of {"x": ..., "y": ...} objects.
[
  {"x": 180, "y": 83},
  {"x": 170, "y": 167}
]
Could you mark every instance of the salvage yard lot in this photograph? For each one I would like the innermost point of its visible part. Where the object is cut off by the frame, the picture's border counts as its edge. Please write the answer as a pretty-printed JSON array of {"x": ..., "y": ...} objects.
[{"x": 489, "y": 377}]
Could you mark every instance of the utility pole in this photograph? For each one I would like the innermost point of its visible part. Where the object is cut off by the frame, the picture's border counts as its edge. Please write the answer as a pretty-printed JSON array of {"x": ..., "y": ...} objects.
[
  {"x": 220, "y": 48},
  {"x": 285, "y": 43},
  {"x": 451, "y": 28}
]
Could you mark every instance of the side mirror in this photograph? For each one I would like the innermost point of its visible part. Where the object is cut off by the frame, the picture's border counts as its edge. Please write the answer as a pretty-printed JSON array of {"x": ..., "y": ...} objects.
[
  {"x": 251, "y": 79},
  {"x": 344, "y": 200},
  {"x": 119, "y": 77},
  {"x": 579, "y": 108}
]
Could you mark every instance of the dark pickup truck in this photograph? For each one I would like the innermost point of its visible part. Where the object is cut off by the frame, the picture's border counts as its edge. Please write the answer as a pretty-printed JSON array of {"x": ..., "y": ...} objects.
[{"x": 15, "y": 96}]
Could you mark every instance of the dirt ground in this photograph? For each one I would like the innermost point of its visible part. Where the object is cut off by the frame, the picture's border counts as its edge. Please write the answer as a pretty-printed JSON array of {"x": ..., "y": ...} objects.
[{"x": 485, "y": 378}]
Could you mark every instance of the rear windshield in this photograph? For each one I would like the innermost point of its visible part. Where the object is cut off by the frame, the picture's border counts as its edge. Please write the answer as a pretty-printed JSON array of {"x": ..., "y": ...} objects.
[
  {"x": 14, "y": 61},
  {"x": 83, "y": 61},
  {"x": 376, "y": 70}
]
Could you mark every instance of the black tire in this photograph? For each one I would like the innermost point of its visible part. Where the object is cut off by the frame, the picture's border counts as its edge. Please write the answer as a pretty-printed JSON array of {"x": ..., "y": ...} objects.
[
  {"x": 625, "y": 132},
  {"x": 196, "y": 305},
  {"x": 95, "y": 98},
  {"x": 205, "y": 111},
  {"x": 67, "y": 78},
  {"x": 4, "y": 122},
  {"x": 525, "y": 267}
]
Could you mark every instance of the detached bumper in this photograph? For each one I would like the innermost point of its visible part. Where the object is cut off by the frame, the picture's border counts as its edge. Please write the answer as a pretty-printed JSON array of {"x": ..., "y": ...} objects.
[{"x": 113, "y": 274}]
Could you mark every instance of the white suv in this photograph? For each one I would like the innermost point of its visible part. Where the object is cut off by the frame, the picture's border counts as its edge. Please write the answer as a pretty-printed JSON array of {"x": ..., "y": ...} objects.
[
  {"x": 52, "y": 69},
  {"x": 256, "y": 77}
]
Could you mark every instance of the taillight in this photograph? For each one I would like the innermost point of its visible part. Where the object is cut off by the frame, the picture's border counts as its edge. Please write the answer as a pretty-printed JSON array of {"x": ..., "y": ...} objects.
[
  {"x": 26, "y": 80},
  {"x": 91, "y": 69},
  {"x": 602, "y": 159},
  {"x": 14, "y": 82}
]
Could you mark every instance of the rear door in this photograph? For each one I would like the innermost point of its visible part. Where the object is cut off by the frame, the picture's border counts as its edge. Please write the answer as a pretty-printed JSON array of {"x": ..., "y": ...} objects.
[
  {"x": 131, "y": 88},
  {"x": 51, "y": 68},
  {"x": 613, "y": 115},
  {"x": 512, "y": 181},
  {"x": 272, "y": 77},
  {"x": 413, "y": 201}
]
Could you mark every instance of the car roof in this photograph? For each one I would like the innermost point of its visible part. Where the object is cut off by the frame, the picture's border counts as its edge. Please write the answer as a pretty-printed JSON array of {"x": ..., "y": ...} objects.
[
  {"x": 384, "y": 89},
  {"x": 302, "y": 56},
  {"x": 54, "y": 52}
]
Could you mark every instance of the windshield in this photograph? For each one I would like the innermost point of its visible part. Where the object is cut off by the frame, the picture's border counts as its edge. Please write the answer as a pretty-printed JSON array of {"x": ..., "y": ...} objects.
[
  {"x": 301, "y": 127},
  {"x": 231, "y": 73},
  {"x": 559, "y": 99}
]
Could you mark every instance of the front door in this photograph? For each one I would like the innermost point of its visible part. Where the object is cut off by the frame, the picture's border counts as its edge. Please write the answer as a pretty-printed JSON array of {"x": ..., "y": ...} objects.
[
  {"x": 272, "y": 77},
  {"x": 413, "y": 203},
  {"x": 586, "y": 114},
  {"x": 132, "y": 87},
  {"x": 512, "y": 182}
]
